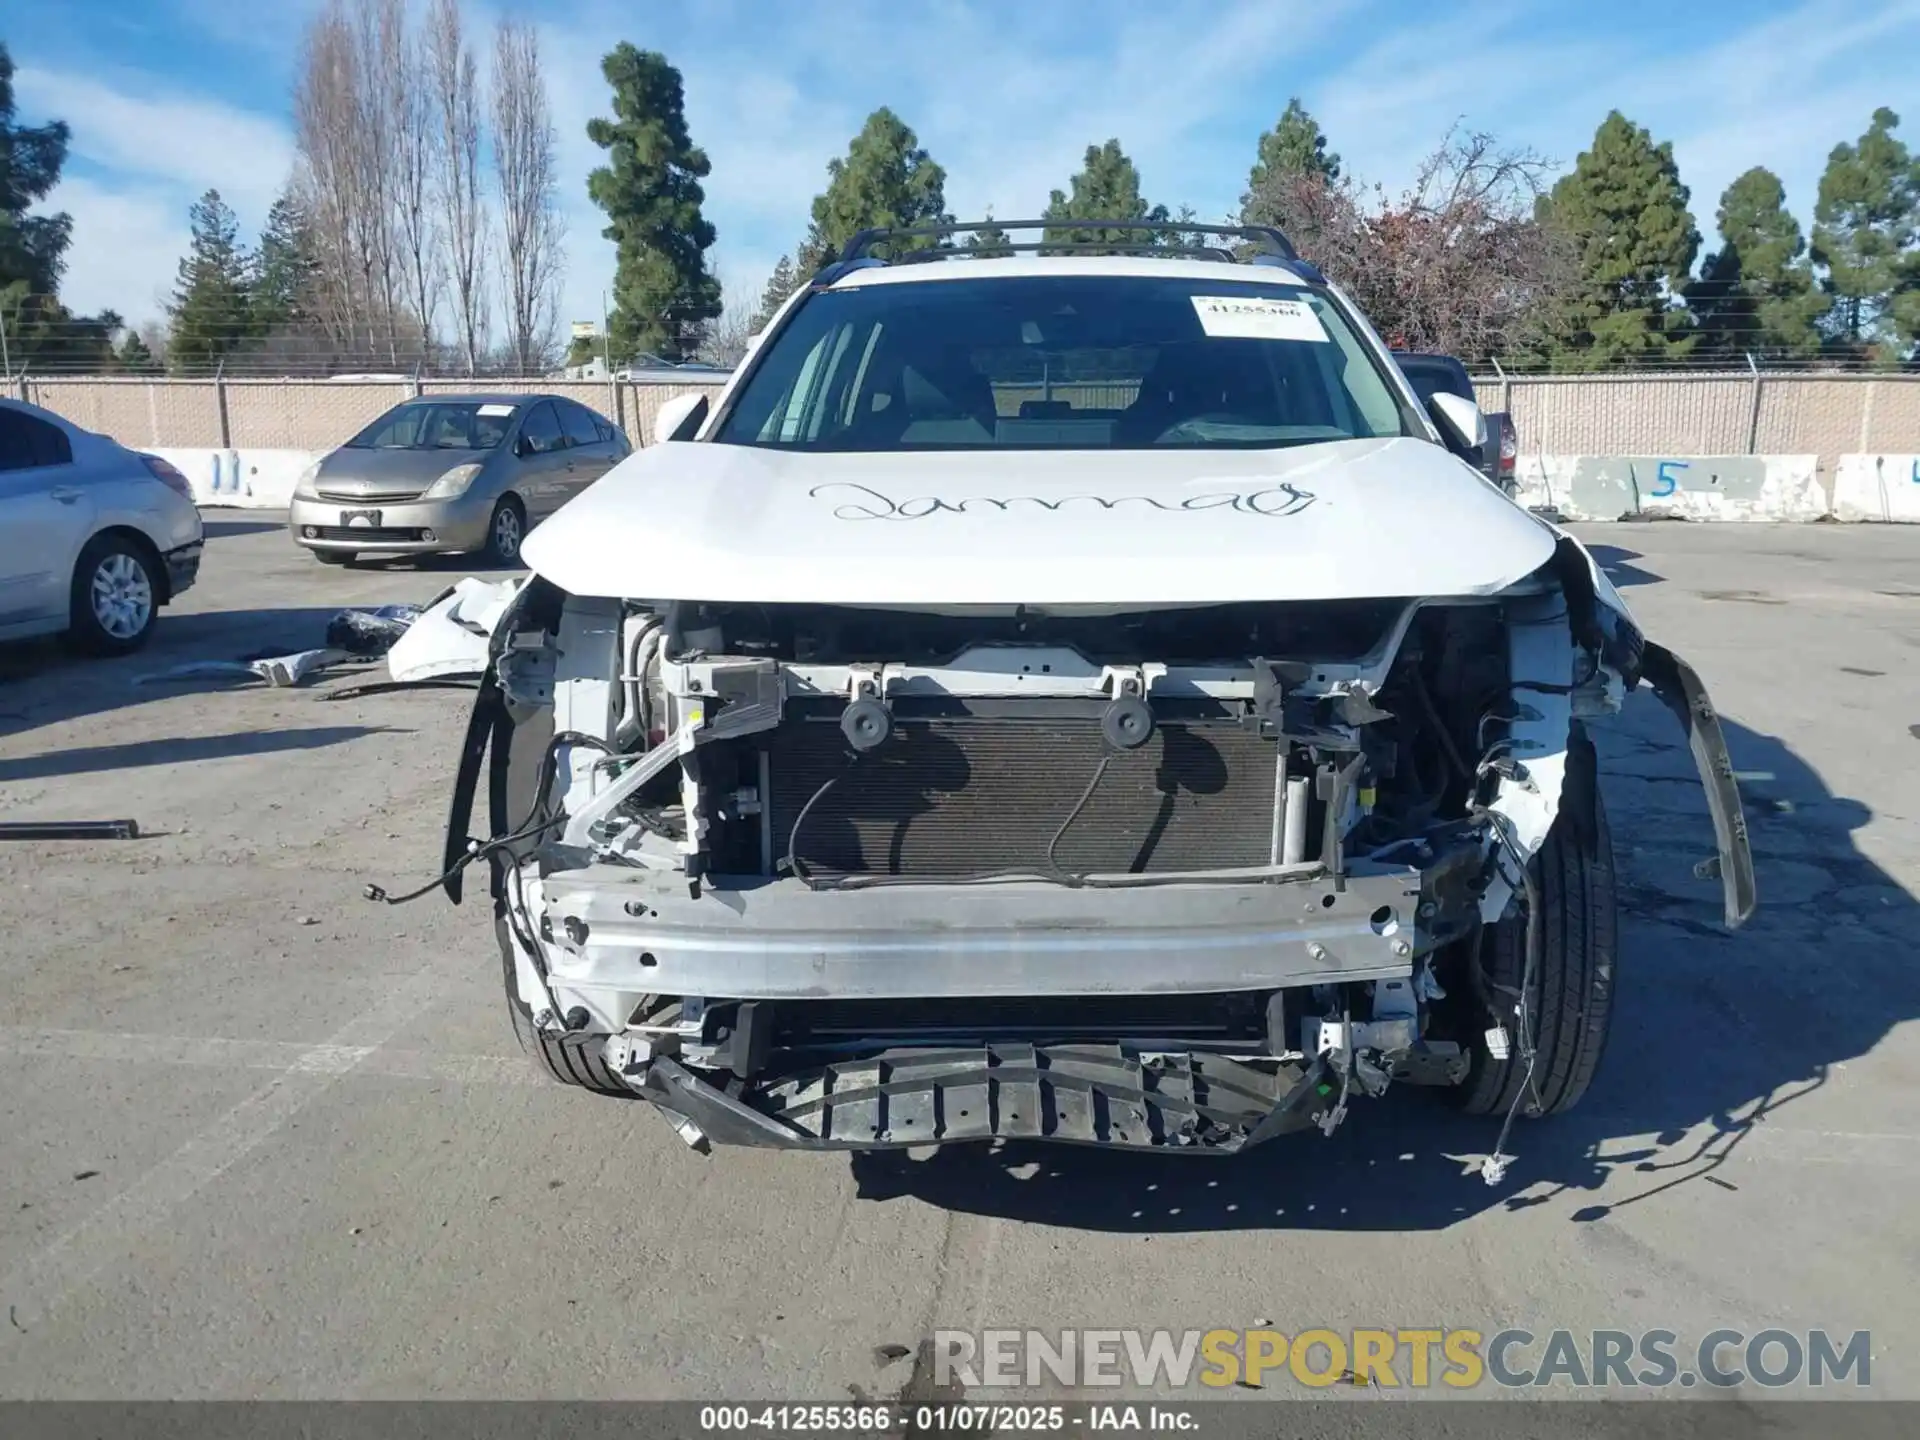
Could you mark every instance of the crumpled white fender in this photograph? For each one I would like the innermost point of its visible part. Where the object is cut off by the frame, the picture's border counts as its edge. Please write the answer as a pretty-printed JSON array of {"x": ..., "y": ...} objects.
[{"x": 452, "y": 635}]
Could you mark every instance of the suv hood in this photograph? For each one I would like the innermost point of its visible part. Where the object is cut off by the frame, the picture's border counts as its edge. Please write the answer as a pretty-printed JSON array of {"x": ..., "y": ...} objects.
[{"x": 1120, "y": 529}]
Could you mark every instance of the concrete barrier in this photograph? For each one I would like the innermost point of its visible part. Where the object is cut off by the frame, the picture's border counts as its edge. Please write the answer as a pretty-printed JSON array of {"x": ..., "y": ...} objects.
[
  {"x": 240, "y": 479},
  {"x": 1691, "y": 487},
  {"x": 1877, "y": 487}
]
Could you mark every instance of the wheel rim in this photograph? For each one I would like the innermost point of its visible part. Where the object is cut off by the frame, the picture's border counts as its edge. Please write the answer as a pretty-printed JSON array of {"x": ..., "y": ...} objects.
[
  {"x": 122, "y": 596},
  {"x": 506, "y": 532}
]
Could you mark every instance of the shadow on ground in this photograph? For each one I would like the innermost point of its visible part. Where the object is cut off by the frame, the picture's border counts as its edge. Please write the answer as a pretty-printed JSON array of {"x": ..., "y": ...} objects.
[
  {"x": 44, "y": 683},
  {"x": 222, "y": 528},
  {"x": 1617, "y": 561},
  {"x": 181, "y": 750},
  {"x": 1714, "y": 1034}
]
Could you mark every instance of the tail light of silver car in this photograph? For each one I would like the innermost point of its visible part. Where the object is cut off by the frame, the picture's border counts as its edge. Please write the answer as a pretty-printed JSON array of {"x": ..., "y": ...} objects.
[{"x": 168, "y": 476}]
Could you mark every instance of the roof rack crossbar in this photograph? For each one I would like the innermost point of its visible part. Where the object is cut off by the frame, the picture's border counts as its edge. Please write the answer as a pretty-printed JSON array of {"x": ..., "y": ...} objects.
[
  {"x": 1103, "y": 247},
  {"x": 1271, "y": 238}
]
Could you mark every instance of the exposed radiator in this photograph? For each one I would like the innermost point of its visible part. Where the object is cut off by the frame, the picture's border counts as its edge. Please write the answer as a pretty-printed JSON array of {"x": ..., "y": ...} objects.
[{"x": 949, "y": 797}]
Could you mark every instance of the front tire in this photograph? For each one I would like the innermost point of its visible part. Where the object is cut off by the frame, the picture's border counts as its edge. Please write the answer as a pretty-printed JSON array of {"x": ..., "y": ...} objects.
[
  {"x": 505, "y": 530},
  {"x": 573, "y": 1057},
  {"x": 1571, "y": 999},
  {"x": 115, "y": 598}
]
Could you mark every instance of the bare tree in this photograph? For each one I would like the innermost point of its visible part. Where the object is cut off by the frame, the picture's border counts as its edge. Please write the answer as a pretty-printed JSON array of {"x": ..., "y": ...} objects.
[
  {"x": 361, "y": 188},
  {"x": 458, "y": 184},
  {"x": 379, "y": 43},
  {"x": 411, "y": 96},
  {"x": 724, "y": 341},
  {"x": 1456, "y": 264},
  {"x": 524, "y": 162},
  {"x": 325, "y": 103}
]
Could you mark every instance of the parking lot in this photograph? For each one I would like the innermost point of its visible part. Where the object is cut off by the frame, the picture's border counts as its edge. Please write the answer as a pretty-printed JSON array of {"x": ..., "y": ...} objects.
[{"x": 264, "y": 1138}]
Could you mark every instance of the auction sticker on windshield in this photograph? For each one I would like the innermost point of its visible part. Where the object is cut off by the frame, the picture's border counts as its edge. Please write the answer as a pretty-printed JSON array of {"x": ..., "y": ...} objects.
[
  {"x": 1241, "y": 317},
  {"x": 496, "y": 409}
]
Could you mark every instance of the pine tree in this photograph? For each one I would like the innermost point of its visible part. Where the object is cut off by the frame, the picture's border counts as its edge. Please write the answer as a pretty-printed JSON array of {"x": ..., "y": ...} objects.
[
  {"x": 1756, "y": 293},
  {"x": 41, "y": 332},
  {"x": 210, "y": 315},
  {"x": 990, "y": 242},
  {"x": 1624, "y": 212},
  {"x": 134, "y": 356},
  {"x": 1295, "y": 146},
  {"x": 284, "y": 269},
  {"x": 1290, "y": 175},
  {"x": 780, "y": 284},
  {"x": 885, "y": 180},
  {"x": 1866, "y": 227},
  {"x": 1107, "y": 188},
  {"x": 663, "y": 293}
]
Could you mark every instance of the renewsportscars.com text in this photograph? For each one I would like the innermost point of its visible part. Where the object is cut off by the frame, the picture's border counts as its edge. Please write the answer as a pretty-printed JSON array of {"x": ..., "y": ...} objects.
[{"x": 1409, "y": 1358}]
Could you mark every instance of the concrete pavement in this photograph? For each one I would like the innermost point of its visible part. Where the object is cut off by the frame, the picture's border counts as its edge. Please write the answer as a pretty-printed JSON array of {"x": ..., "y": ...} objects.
[{"x": 264, "y": 1139}]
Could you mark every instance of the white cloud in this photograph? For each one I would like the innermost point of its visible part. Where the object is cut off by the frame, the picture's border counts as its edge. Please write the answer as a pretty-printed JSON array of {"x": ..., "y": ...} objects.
[
  {"x": 1007, "y": 95},
  {"x": 159, "y": 137},
  {"x": 1007, "y": 107},
  {"x": 126, "y": 246}
]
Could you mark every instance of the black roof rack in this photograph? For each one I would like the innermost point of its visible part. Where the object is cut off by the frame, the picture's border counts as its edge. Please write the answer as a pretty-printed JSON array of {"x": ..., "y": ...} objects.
[{"x": 1272, "y": 240}]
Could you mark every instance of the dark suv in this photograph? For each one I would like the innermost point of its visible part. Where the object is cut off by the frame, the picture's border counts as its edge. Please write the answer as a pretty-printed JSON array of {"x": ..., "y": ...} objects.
[{"x": 1432, "y": 375}]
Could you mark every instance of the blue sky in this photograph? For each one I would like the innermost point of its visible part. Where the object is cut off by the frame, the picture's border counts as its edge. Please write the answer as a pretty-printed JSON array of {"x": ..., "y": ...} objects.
[{"x": 169, "y": 97}]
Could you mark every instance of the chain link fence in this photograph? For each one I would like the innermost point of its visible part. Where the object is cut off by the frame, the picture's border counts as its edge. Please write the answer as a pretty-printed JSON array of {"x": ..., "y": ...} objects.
[
  {"x": 243, "y": 414},
  {"x": 1826, "y": 414}
]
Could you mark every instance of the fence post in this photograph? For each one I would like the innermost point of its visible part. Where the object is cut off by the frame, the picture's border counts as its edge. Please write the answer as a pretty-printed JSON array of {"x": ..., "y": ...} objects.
[
  {"x": 220, "y": 402},
  {"x": 1506, "y": 387},
  {"x": 1753, "y": 412},
  {"x": 416, "y": 379},
  {"x": 1866, "y": 418}
]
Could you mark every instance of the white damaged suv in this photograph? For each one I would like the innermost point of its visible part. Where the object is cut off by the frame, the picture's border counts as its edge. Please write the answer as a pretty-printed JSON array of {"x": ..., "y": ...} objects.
[{"x": 1067, "y": 695}]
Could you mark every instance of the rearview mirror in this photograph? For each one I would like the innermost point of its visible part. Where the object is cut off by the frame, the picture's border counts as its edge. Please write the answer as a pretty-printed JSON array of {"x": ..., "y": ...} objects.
[
  {"x": 680, "y": 418},
  {"x": 1461, "y": 425}
]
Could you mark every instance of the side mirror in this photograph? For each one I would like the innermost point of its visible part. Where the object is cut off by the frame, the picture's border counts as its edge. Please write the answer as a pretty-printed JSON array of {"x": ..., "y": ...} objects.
[
  {"x": 522, "y": 446},
  {"x": 1461, "y": 425},
  {"x": 680, "y": 418}
]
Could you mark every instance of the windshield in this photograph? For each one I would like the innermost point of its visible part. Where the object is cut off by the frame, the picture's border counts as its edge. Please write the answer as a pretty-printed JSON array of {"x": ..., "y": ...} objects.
[
  {"x": 437, "y": 425},
  {"x": 1102, "y": 362}
]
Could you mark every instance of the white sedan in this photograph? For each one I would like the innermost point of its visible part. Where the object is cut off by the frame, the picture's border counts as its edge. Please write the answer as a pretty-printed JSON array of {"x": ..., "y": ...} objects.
[{"x": 94, "y": 537}]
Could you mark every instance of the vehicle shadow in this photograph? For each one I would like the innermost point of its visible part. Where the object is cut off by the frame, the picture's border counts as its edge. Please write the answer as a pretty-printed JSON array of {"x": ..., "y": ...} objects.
[
  {"x": 1617, "y": 561},
  {"x": 181, "y": 749},
  {"x": 438, "y": 564},
  {"x": 42, "y": 682},
  {"x": 1714, "y": 1034},
  {"x": 221, "y": 527}
]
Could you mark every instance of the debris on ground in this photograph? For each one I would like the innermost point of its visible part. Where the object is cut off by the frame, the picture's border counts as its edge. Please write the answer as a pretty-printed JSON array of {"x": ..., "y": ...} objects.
[
  {"x": 69, "y": 830},
  {"x": 279, "y": 671},
  {"x": 370, "y": 633},
  {"x": 443, "y": 640}
]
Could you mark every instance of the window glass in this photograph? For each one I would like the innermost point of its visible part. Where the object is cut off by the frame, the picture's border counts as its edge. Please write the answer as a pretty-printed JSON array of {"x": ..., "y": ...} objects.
[
  {"x": 541, "y": 431},
  {"x": 579, "y": 424},
  {"x": 1080, "y": 361},
  {"x": 27, "y": 441},
  {"x": 437, "y": 425}
]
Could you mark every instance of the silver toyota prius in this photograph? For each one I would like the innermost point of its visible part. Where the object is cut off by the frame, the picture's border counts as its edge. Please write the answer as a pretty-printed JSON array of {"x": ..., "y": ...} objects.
[{"x": 452, "y": 473}]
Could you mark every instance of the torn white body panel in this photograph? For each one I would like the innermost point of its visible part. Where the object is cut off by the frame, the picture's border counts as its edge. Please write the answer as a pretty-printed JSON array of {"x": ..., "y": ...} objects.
[{"x": 451, "y": 636}]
